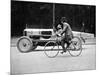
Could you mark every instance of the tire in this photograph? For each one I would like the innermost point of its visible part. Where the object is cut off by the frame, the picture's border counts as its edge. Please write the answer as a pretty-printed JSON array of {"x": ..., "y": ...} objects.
[
  {"x": 24, "y": 44},
  {"x": 51, "y": 49},
  {"x": 75, "y": 47}
]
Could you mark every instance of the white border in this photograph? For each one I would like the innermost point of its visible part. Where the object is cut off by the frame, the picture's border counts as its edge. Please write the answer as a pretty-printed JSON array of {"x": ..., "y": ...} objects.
[
  {"x": 84, "y": 2},
  {"x": 5, "y": 37}
]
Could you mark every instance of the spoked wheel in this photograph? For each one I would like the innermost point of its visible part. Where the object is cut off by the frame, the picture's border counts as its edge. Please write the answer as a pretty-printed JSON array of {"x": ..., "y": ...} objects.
[
  {"x": 51, "y": 49},
  {"x": 24, "y": 44},
  {"x": 75, "y": 47}
]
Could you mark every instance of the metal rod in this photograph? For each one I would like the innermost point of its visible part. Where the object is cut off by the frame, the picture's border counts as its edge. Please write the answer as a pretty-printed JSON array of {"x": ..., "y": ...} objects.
[{"x": 53, "y": 14}]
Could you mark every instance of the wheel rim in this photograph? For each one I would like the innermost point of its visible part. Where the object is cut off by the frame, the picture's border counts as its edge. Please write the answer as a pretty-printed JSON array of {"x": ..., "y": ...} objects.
[
  {"x": 24, "y": 45},
  {"x": 51, "y": 49},
  {"x": 75, "y": 47}
]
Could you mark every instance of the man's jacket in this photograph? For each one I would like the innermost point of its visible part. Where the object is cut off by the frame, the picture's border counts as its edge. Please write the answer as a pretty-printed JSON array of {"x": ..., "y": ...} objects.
[{"x": 67, "y": 30}]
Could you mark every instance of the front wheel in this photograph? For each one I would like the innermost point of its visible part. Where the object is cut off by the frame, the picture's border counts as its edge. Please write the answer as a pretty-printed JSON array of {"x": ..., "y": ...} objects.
[
  {"x": 75, "y": 47},
  {"x": 24, "y": 44},
  {"x": 51, "y": 49}
]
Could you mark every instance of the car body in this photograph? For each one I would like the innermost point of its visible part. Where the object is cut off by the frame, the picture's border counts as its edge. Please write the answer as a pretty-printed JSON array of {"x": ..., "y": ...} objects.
[
  {"x": 39, "y": 34},
  {"x": 34, "y": 36}
]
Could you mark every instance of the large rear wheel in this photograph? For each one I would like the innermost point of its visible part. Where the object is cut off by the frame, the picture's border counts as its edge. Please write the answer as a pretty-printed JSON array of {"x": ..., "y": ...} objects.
[{"x": 75, "y": 47}]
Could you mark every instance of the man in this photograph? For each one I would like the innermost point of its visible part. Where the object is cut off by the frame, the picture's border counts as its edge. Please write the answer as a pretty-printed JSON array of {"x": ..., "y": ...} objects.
[
  {"x": 66, "y": 33},
  {"x": 82, "y": 30}
]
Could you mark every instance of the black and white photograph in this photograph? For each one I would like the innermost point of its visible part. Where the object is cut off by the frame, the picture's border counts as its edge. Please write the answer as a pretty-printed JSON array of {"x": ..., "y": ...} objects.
[{"x": 52, "y": 37}]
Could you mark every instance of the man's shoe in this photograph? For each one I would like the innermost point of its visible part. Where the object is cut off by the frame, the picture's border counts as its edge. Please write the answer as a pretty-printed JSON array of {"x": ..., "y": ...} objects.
[{"x": 63, "y": 52}]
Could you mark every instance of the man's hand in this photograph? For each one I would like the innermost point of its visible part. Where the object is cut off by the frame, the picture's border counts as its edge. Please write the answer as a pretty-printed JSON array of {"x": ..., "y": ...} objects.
[{"x": 59, "y": 34}]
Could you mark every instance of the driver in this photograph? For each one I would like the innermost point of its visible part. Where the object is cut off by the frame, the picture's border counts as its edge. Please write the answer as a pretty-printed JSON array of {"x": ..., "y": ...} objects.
[{"x": 64, "y": 30}]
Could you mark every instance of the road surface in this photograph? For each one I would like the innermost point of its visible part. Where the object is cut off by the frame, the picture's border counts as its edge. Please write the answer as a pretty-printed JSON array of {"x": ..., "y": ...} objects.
[{"x": 36, "y": 61}]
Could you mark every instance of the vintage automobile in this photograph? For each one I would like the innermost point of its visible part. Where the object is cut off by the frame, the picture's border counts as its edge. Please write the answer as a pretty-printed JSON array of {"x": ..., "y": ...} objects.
[{"x": 32, "y": 37}]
